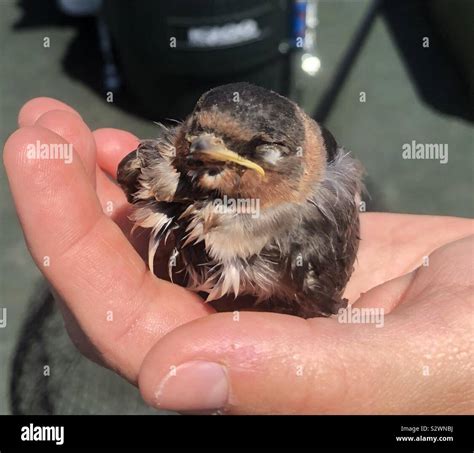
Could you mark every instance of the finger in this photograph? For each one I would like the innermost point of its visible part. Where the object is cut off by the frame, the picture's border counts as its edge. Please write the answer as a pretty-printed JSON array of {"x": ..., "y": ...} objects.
[
  {"x": 121, "y": 307},
  {"x": 73, "y": 130},
  {"x": 395, "y": 244},
  {"x": 110, "y": 195},
  {"x": 276, "y": 364},
  {"x": 36, "y": 107},
  {"x": 396, "y": 291},
  {"x": 266, "y": 364},
  {"x": 115, "y": 205},
  {"x": 112, "y": 146},
  {"x": 386, "y": 296}
]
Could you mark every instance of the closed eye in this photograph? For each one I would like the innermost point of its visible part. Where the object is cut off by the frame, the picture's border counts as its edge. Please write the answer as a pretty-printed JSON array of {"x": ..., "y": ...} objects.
[{"x": 271, "y": 152}]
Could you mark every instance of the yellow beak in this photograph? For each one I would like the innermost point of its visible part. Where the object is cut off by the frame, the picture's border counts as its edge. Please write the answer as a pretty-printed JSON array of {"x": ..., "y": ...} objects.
[{"x": 226, "y": 155}]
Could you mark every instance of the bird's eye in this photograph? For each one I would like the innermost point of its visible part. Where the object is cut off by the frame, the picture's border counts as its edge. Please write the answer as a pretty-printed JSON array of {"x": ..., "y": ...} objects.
[{"x": 271, "y": 152}]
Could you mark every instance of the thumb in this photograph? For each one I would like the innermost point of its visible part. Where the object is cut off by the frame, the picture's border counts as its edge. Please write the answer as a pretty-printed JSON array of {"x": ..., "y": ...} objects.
[{"x": 265, "y": 363}]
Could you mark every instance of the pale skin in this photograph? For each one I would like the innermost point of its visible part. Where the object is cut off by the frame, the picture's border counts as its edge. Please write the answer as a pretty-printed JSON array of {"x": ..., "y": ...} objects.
[{"x": 122, "y": 316}]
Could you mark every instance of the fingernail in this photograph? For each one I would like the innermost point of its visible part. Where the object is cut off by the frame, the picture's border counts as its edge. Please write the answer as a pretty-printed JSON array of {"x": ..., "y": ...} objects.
[{"x": 194, "y": 386}]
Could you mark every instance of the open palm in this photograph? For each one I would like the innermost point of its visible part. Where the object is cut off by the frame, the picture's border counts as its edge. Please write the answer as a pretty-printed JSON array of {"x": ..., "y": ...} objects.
[{"x": 184, "y": 355}]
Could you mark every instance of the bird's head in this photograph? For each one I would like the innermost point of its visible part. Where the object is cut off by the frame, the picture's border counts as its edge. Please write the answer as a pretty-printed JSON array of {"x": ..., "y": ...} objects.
[
  {"x": 241, "y": 141},
  {"x": 245, "y": 141}
]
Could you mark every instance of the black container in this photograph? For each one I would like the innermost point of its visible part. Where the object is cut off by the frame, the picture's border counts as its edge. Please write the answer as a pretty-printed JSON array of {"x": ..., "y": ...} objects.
[{"x": 170, "y": 52}]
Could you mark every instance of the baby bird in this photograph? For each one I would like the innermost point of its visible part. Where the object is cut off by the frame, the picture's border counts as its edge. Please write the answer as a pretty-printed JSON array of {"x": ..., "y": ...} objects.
[{"x": 258, "y": 198}]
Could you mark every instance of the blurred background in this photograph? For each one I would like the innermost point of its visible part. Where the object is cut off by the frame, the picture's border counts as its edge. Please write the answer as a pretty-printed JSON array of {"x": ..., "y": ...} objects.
[{"x": 378, "y": 74}]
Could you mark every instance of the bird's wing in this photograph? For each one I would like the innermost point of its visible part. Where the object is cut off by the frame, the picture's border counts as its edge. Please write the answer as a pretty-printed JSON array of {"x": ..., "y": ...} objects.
[
  {"x": 324, "y": 246},
  {"x": 147, "y": 173}
]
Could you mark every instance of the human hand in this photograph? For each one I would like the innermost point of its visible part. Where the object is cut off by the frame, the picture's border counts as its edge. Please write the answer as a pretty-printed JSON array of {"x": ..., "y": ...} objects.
[
  {"x": 114, "y": 308},
  {"x": 149, "y": 330}
]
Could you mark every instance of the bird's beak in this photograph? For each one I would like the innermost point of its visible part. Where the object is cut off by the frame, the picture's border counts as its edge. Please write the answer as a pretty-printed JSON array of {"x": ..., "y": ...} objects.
[{"x": 208, "y": 148}]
